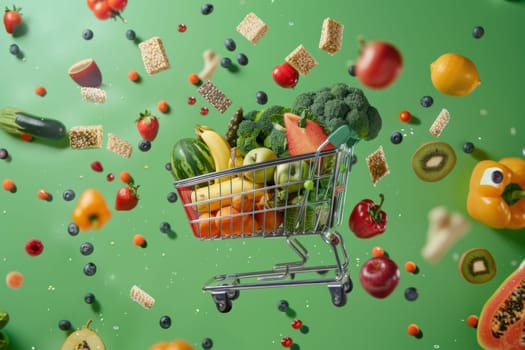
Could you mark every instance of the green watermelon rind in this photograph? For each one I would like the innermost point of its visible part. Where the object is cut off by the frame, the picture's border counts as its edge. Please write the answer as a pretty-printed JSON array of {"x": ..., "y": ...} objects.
[{"x": 189, "y": 158}]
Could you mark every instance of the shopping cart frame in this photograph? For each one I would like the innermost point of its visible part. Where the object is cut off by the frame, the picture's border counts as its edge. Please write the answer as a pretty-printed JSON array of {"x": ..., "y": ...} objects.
[{"x": 225, "y": 288}]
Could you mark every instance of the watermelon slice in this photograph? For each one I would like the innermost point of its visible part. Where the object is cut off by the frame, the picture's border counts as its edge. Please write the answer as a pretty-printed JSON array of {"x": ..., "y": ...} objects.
[{"x": 301, "y": 140}]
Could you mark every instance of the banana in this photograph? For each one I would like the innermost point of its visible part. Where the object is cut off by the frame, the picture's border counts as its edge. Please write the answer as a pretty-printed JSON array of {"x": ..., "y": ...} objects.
[
  {"x": 213, "y": 197},
  {"x": 219, "y": 147}
]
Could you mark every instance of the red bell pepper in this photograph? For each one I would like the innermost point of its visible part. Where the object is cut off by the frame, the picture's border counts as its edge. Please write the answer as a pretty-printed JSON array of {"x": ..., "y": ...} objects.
[{"x": 367, "y": 219}]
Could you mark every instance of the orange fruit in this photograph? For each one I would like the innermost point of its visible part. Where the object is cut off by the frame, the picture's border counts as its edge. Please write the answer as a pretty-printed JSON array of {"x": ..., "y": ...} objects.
[{"x": 454, "y": 74}]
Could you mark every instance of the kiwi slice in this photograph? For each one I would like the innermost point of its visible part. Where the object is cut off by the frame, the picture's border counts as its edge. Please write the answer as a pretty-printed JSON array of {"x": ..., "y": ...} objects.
[
  {"x": 477, "y": 265},
  {"x": 83, "y": 339},
  {"x": 434, "y": 160}
]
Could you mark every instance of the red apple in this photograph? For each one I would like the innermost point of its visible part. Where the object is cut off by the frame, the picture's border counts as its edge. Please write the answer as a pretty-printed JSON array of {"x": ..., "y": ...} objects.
[
  {"x": 378, "y": 65},
  {"x": 285, "y": 75},
  {"x": 379, "y": 276}
]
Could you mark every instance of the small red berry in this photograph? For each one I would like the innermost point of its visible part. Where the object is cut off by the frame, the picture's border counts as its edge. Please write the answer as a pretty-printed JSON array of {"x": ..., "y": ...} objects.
[
  {"x": 34, "y": 247},
  {"x": 182, "y": 28},
  {"x": 405, "y": 116},
  {"x": 297, "y": 324},
  {"x": 110, "y": 177},
  {"x": 97, "y": 166},
  {"x": 43, "y": 195},
  {"x": 204, "y": 110},
  {"x": 191, "y": 100},
  {"x": 287, "y": 342}
]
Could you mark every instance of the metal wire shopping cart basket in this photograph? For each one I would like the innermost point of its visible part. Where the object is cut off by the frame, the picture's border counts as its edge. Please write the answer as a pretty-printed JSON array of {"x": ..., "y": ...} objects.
[{"x": 294, "y": 196}]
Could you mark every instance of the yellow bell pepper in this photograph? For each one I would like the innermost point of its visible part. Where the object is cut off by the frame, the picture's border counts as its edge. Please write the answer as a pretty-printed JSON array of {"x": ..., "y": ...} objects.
[
  {"x": 496, "y": 195},
  {"x": 91, "y": 211}
]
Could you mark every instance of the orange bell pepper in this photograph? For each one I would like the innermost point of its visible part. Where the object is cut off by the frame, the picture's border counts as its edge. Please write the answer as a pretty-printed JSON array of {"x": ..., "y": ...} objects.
[
  {"x": 496, "y": 195},
  {"x": 91, "y": 211}
]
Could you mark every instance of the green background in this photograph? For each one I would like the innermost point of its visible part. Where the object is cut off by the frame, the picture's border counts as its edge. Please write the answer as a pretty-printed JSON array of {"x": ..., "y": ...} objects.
[{"x": 174, "y": 268}]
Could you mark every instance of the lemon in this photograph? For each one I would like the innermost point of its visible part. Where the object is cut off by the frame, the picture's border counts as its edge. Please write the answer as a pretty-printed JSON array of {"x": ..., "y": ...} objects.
[{"x": 454, "y": 74}]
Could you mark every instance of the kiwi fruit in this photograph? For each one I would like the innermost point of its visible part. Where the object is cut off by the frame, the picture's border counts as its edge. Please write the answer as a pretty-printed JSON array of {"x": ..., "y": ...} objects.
[
  {"x": 477, "y": 266},
  {"x": 434, "y": 160},
  {"x": 83, "y": 339}
]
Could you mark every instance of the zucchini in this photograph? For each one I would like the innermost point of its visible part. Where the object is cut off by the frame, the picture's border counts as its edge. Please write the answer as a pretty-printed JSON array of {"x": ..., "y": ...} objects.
[{"x": 18, "y": 122}]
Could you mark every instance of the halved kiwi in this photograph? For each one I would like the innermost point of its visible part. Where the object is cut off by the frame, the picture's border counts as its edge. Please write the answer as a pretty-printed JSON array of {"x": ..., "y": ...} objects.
[
  {"x": 434, "y": 160},
  {"x": 477, "y": 265}
]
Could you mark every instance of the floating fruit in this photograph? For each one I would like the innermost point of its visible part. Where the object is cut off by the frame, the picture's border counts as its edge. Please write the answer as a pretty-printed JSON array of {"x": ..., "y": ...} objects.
[
  {"x": 477, "y": 265},
  {"x": 83, "y": 338},
  {"x": 454, "y": 74},
  {"x": 432, "y": 161}
]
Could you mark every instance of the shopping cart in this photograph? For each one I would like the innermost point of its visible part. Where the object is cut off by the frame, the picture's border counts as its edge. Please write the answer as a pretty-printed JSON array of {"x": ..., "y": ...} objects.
[{"x": 289, "y": 197}]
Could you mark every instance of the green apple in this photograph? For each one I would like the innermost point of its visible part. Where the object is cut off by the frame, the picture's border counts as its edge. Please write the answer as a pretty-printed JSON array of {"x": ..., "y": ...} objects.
[
  {"x": 259, "y": 155},
  {"x": 294, "y": 172}
]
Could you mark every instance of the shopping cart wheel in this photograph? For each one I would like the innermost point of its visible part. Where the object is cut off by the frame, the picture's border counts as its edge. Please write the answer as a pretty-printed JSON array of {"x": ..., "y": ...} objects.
[
  {"x": 232, "y": 294},
  {"x": 347, "y": 284},
  {"x": 222, "y": 302},
  {"x": 337, "y": 291}
]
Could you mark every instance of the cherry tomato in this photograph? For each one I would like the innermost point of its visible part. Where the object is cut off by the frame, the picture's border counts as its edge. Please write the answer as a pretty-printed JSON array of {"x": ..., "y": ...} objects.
[
  {"x": 117, "y": 5},
  {"x": 285, "y": 75},
  {"x": 91, "y": 4},
  {"x": 378, "y": 65},
  {"x": 102, "y": 10},
  {"x": 405, "y": 116}
]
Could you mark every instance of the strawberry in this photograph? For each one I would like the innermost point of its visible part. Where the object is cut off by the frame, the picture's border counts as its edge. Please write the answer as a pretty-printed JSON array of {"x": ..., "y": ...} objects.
[
  {"x": 126, "y": 198},
  {"x": 148, "y": 126},
  {"x": 301, "y": 140},
  {"x": 12, "y": 19}
]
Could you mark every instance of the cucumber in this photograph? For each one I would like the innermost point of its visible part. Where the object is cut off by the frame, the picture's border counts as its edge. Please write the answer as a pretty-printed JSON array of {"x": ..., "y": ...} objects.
[
  {"x": 19, "y": 122},
  {"x": 40, "y": 127}
]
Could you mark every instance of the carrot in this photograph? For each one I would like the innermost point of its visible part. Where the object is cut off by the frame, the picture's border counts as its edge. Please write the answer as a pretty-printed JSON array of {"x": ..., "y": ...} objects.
[
  {"x": 40, "y": 91},
  {"x": 232, "y": 222},
  {"x": 14, "y": 279},
  {"x": 270, "y": 220},
  {"x": 244, "y": 202},
  {"x": 163, "y": 106},
  {"x": 9, "y": 185},
  {"x": 208, "y": 226},
  {"x": 133, "y": 75}
]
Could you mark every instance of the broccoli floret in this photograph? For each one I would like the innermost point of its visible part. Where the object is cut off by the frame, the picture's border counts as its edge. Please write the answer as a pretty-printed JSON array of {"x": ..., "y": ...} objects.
[
  {"x": 250, "y": 115},
  {"x": 356, "y": 99},
  {"x": 335, "y": 109},
  {"x": 358, "y": 121},
  {"x": 247, "y": 135},
  {"x": 276, "y": 141},
  {"x": 303, "y": 101},
  {"x": 374, "y": 123},
  {"x": 340, "y": 90},
  {"x": 323, "y": 97}
]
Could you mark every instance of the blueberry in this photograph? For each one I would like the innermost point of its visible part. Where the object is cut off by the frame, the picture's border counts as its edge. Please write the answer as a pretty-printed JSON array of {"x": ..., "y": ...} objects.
[
  {"x": 172, "y": 197},
  {"x": 230, "y": 44},
  {"x": 411, "y": 294},
  {"x": 468, "y": 147},
  {"x": 144, "y": 145},
  {"x": 283, "y": 305},
  {"x": 73, "y": 229},
  {"x": 396, "y": 137},
  {"x": 206, "y": 9},
  {"x": 242, "y": 59},
  {"x": 130, "y": 34},
  {"x": 226, "y": 62},
  {"x": 64, "y": 325},
  {"x": 86, "y": 248},
  {"x": 167, "y": 166},
  {"x": 427, "y": 101},
  {"x": 14, "y": 49},
  {"x": 353, "y": 160},
  {"x": 478, "y": 32},
  {"x": 90, "y": 269},
  {"x": 165, "y": 322},
  {"x": 497, "y": 177},
  {"x": 351, "y": 70},
  {"x": 89, "y": 298},
  {"x": 68, "y": 195},
  {"x": 87, "y": 34},
  {"x": 3, "y": 153},
  {"x": 207, "y": 343},
  {"x": 261, "y": 97},
  {"x": 165, "y": 227}
]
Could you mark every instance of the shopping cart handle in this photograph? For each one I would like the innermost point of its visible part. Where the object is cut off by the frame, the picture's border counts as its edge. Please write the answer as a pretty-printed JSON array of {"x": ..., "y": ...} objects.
[{"x": 343, "y": 134}]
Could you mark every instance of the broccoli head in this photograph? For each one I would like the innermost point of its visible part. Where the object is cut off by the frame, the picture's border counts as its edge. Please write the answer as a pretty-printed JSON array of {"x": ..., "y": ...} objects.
[
  {"x": 247, "y": 135},
  {"x": 338, "y": 104},
  {"x": 276, "y": 141}
]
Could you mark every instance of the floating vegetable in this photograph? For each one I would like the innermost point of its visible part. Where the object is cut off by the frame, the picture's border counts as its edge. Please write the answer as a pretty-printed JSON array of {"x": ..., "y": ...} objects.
[
  {"x": 496, "y": 196},
  {"x": 91, "y": 211},
  {"x": 18, "y": 122}
]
